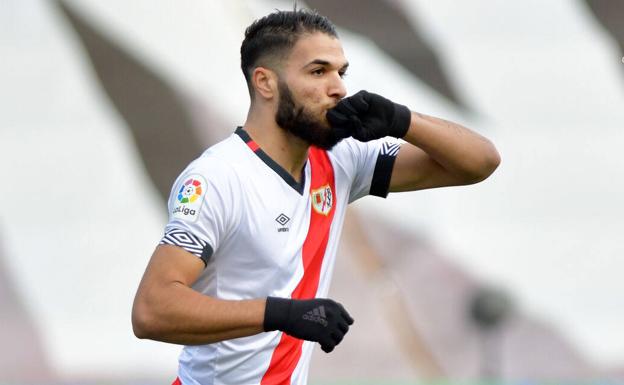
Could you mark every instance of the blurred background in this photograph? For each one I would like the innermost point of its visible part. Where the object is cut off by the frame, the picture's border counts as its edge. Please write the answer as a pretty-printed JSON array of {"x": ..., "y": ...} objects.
[{"x": 103, "y": 103}]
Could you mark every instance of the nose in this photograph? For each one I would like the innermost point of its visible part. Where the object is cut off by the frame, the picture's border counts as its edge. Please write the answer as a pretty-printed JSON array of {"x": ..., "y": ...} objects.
[{"x": 337, "y": 89}]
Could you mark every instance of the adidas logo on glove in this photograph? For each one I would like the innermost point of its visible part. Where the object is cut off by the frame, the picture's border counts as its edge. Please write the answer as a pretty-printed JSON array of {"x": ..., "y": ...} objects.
[{"x": 316, "y": 315}]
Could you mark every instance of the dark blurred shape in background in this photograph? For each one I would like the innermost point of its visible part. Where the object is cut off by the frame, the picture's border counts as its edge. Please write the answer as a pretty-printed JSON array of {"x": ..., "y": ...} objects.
[
  {"x": 156, "y": 115},
  {"x": 489, "y": 308},
  {"x": 395, "y": 34},
  {"x": 610, "y": 14}
]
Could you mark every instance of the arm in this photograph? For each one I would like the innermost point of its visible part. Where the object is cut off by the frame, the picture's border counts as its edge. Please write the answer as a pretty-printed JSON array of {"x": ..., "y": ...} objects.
[
  {"x": 441, "y": 153},
  {"x": 167, "y": 309}
]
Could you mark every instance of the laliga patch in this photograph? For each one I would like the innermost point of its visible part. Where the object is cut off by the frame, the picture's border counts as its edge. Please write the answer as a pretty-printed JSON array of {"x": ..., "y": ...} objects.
[
  {"x": 322, "y": 199},
  {"x": 189, "y": 198}
]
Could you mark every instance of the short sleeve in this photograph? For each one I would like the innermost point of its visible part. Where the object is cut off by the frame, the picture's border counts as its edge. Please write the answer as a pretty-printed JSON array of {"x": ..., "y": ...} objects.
[
  {"x": 200, "y": 209},
  {"x": 369, "y": 164}
]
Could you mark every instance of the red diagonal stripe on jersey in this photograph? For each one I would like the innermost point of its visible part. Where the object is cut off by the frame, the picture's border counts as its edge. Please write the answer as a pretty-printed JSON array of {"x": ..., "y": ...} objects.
[{"x": 288, "y": 351}]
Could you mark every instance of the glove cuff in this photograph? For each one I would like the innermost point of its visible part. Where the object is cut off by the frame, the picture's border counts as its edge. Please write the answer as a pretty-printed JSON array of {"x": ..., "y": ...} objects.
[
  {"x": 276, "y": 313},
  {"x": 402, "y": 120}
]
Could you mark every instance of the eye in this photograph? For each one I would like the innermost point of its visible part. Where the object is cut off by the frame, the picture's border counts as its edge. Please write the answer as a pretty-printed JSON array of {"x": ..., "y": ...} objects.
[
  {"x": 343, "y": 74},
  {"x": 318, "y": 71}
]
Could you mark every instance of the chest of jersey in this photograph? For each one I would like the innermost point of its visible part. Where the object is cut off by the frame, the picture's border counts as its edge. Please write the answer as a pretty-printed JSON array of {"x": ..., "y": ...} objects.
[{"x": 278, "y": 228}]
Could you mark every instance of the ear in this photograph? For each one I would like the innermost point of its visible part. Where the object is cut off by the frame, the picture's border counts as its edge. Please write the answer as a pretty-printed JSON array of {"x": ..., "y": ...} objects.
[{"x": 264, "y": 82}]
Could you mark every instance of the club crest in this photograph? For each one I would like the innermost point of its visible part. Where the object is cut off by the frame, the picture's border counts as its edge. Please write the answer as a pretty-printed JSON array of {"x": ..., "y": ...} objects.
[{"x": 322, "y": 200}]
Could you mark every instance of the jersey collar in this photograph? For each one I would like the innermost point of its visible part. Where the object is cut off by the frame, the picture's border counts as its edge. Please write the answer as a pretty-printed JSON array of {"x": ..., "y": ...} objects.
[{"x": 298, "y": 186}]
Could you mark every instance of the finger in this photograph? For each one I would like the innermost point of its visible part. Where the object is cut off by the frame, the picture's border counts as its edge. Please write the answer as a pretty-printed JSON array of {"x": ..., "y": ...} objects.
[
  {"x": 343, "y": 327},
  {"x": 345, "y": 314},
  {"x": 342, "y": 131},
  {"x": 355, "y": 122},
  {"x": 359, "y": 102},
  {"x": 337, "y": 336},
  {"x": 344, "y": 107},
  {"x": 328, "y": 348},
  {"x": 336, "y": 118}
]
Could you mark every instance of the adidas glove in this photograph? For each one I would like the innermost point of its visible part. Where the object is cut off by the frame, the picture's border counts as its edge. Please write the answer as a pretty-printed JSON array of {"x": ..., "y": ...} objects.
[
  {"x": 320, "y": 320},
  {"x": 370, "y": 116}
]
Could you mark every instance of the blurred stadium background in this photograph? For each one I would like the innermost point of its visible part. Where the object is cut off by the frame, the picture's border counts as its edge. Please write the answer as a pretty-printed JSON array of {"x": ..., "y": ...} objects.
[{"x": 104, "y": 102}]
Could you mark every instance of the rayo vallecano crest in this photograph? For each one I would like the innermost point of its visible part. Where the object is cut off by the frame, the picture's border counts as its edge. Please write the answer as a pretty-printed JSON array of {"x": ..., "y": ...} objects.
[{"x": 322, "y": 199}]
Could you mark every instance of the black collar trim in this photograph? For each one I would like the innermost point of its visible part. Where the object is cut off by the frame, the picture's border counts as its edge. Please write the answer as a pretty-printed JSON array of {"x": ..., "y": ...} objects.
[{"x": 298, "y": 186}]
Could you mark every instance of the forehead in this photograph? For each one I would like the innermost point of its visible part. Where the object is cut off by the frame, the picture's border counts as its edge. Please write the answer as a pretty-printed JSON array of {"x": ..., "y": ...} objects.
[{"x": 317, "y": 46}]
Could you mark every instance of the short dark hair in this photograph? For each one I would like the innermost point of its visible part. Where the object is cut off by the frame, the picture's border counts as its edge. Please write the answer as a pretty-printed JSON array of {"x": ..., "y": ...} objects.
[{"x": 271, "y": 37}]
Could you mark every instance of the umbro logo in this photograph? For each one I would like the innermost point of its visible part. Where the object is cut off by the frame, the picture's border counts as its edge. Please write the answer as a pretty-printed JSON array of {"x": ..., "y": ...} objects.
[
  {"x": 317, "y": 315},
  {"x": 282, "y": 220}
]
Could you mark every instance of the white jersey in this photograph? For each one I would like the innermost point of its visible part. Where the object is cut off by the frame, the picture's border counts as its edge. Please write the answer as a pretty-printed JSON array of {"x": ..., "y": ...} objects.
[{"x": 261, "y": 233}]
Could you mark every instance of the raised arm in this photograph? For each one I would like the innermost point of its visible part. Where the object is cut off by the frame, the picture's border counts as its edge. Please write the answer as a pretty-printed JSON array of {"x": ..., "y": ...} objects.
[
  {"x": 439, "y": 153},
  {"x": 442, "y": 153},
  {"x": 167, "y": 309}
]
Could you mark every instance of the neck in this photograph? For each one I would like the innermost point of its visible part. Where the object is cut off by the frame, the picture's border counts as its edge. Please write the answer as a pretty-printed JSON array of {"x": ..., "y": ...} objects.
[{"x": 289, "y": 151}]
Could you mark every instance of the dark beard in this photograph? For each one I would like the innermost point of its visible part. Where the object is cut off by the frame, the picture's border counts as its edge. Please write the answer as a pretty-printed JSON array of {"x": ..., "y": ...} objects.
[{"x": 301, "y": 123}]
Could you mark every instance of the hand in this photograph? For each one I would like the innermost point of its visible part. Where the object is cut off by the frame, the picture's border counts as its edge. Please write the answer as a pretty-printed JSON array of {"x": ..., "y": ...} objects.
[
  {"x": 370, "y": 116},
  {"x": 320, "y": 320}
]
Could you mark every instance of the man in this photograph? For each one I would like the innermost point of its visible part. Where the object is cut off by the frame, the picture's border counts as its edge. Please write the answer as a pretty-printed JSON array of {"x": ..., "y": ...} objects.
[{"x": 241, "y": 275}]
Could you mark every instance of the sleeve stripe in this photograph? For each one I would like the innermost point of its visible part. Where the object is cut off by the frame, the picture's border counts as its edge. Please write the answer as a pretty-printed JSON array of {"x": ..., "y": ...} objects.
[
  {"x": 380, "y": 185},
  {"x": 188, "y": 242},
  {"x": 390, "y": 149}
]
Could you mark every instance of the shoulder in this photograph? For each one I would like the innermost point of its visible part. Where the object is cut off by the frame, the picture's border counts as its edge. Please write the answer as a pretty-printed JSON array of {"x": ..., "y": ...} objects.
[
  {"x": 352, "y": 151},
  {"x": 346, "y": 145},
  {"x": 214, "y": 172},
  {"x": 219, "y": 160},
  {"x": 353, "y": 146},
  {"x": 209, "y": 178}
]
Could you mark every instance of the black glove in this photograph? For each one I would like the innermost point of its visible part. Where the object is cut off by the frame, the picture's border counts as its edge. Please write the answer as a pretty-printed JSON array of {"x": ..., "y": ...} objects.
[
  {"x": 370, "y": 116},
  {"x": 320, "y": 320}
]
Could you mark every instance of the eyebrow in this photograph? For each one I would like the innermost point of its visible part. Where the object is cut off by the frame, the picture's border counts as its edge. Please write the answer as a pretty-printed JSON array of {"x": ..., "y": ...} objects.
[{"x": 325, "y": 63}]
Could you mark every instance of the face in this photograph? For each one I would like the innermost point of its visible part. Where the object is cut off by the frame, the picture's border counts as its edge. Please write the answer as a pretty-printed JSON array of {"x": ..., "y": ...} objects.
[{"x": 310, "y": 84}]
